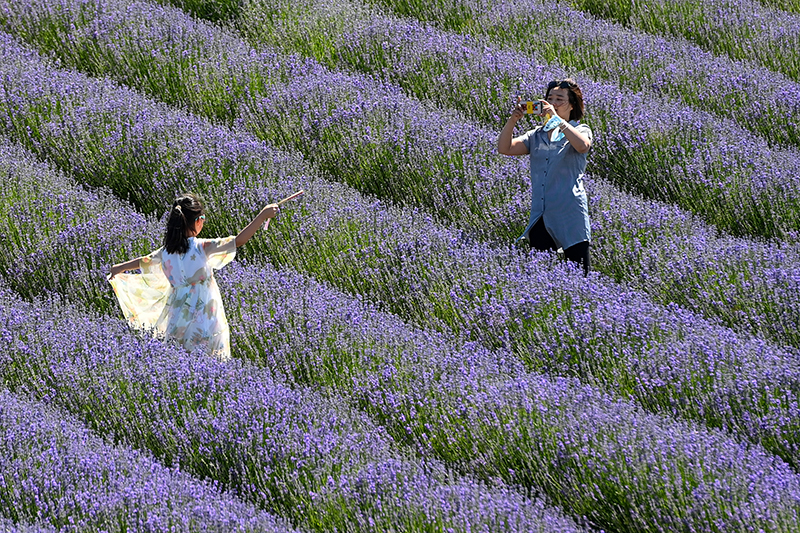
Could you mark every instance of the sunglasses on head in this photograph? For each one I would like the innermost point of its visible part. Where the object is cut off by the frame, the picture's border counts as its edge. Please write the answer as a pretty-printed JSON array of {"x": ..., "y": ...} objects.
[
  {"x": 560, "y": 84},
  {"x": 201, "y": 217}
]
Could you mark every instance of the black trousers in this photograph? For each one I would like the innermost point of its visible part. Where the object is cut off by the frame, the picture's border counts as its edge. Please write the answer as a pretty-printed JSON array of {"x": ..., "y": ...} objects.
[{"x": 540, "y": 239}]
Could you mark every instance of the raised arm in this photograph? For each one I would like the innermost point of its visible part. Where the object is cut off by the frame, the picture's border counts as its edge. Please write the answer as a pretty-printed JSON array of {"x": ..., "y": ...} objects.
[
  {"x": 262, "y": 217},
  {"x": 506, "y": 143}
]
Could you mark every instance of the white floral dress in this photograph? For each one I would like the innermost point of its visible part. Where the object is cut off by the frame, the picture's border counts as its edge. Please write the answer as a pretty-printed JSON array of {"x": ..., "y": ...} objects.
[{"x": 177, "y": 297}]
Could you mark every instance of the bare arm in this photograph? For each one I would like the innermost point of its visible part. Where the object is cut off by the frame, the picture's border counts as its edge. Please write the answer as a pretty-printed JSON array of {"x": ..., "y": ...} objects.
[
  {"x": 507, "y": 144},
  {"x": 578, "y": 140},
  {"x": 262, "y": 217},
  {"x": 119, "y": 268}
]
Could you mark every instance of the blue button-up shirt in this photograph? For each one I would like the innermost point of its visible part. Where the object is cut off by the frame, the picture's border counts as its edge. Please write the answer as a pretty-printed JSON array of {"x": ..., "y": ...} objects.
[{"x": 557, "y": 192}]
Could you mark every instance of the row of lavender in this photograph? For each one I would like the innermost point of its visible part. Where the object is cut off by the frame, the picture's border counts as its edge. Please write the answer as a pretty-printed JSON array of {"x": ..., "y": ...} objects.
[
  {"x": 369, "y": 134},
  {"x": 792, "y": 6},
  {"x": 58, "y": 476},
  {"x": 192, "y": 415},
  {"x": 646, "y": 143},
  {"x": 657, "y": 248},
  {"x": 282, "y": 448},
  {"x": 225, "y": 10},
  {"x": 632, "y": 59},
  {"x": 648, "y": 245},
  {"x": 667, "y": 359},
  {"x": 11, "y": 526},
  {"x": 741, "y": 29},
  {"x": 479, "y": 410}
]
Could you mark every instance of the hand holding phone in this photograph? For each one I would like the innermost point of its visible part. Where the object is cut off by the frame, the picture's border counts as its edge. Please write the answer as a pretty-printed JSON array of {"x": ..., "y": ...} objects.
[{"x": 533, "y": 107}]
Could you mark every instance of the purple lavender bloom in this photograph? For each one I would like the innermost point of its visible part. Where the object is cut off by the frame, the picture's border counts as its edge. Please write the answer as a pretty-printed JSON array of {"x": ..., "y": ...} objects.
[
  {"x": 503, "y": 299},
  {"x": 94, "y": 217},
  {"x": 395, "y": 146},
  {"x": 479, "y": 409},
  {"x": 745, "y": 284},
  {"x": 632, "y": 59},
  {"x": 52, "y": 220},
  {"x": 56, "y": 472},
  {"x": 285, "y": 448},
  {"x": 10, "y": 526},
  {"x": 740, "y": 29},
  {"x": 702, "y": 167},
  {"x": 733, "y": 306},
  {"x": 435, "y": 276},
  {"x": 458, "y": 406}
]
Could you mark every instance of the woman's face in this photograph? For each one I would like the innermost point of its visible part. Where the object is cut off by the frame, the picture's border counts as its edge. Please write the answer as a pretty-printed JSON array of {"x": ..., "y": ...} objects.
[{"x": 559, "y": 99}]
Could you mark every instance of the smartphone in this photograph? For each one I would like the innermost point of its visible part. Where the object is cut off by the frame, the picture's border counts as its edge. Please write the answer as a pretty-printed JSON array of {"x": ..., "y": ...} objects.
[{"x": 533, "y": 108}]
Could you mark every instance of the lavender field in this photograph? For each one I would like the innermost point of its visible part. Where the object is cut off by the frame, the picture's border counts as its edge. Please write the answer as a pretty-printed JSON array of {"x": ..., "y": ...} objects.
[{"x": 399, "y": 363}]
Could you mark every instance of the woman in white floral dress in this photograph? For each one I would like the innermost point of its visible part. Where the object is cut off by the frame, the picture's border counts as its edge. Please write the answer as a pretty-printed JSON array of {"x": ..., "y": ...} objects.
[{"x": 176, "y": 295}]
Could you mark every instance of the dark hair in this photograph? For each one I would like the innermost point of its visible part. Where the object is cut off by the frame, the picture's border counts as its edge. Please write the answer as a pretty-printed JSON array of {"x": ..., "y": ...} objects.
[
  {"x": 185, "y": 210},
  {"x": 575, "y": 95}
]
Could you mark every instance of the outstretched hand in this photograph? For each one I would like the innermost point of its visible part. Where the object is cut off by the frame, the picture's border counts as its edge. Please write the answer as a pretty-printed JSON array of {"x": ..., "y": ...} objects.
[
  {"x": 271, "y": 210},
  {"x": 519, "y": 110}
]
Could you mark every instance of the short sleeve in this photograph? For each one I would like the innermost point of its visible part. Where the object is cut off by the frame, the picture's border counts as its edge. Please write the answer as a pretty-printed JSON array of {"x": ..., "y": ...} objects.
[
  {"x": 219, "y": 252},
  {"x": 586, "y": 130},
  {"x": 526, "y": 137},
  {"x": 143, "y": 297},
  {"x": 149, "y": 263}
]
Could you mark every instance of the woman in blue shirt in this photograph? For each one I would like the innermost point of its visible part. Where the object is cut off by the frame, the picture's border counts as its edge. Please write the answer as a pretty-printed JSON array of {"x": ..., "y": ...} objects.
[{"x": 559, "y": 206}]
